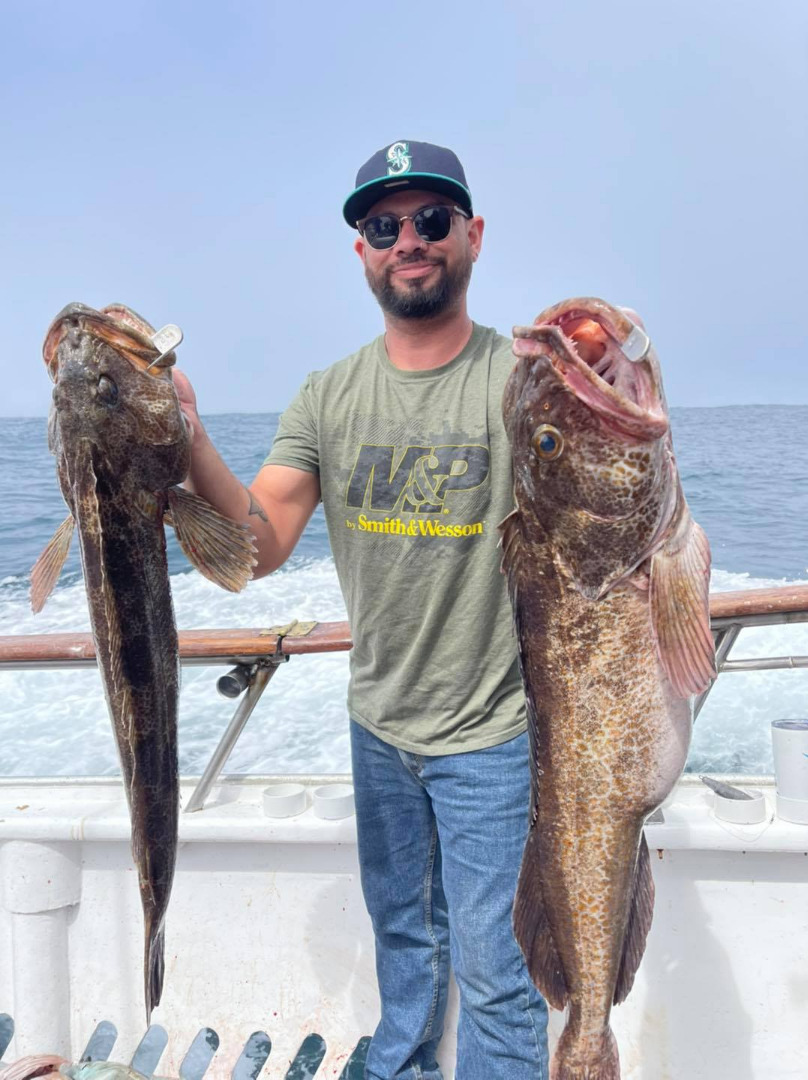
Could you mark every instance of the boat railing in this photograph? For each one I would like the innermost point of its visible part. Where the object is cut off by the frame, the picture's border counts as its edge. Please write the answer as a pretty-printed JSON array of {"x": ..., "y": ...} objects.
[{"x": 255, "y": 654}]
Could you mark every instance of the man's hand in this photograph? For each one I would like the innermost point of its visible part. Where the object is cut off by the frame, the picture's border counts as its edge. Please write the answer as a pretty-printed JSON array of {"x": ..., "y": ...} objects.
[
  {"x": 187, "y": 399},
  {"x": 277, "y": 504}
]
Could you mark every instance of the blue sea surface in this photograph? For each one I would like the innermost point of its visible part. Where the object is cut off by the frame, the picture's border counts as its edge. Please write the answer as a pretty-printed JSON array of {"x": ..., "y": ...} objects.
[
  {"x": 743, "y": 471},
  {"x": 31, "y": 504}
]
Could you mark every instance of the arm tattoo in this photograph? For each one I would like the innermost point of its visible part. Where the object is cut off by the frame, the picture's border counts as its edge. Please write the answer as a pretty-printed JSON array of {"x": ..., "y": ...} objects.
[{"x": 256, "y": 508}]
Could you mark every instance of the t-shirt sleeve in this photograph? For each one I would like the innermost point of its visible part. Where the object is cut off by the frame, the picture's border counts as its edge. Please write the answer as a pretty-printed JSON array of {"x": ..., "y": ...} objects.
[{"x": 296, "y": 443}]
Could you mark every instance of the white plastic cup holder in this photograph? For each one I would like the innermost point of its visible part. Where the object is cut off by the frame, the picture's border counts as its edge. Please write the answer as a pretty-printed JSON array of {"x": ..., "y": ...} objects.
[
  {"x": 790, "y": 752},
  {"x": 333, "y": 801},
  {"x": 741, "y": 811},
  {"x": 284, "y": 800}
]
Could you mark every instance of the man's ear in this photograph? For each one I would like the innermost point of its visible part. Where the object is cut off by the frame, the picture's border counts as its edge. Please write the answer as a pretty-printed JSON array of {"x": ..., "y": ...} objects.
[{"x": 475, "y": 233}]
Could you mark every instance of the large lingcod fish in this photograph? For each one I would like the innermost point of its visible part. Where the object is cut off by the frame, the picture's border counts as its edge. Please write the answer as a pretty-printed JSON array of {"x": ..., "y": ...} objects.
[
  {"x": 609, "y": 576},
  {"x": 122, "y": 445}
]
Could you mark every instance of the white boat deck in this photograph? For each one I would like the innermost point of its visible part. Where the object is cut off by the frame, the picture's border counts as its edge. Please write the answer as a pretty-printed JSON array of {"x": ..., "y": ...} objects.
[{"x": 267, "y": 931}]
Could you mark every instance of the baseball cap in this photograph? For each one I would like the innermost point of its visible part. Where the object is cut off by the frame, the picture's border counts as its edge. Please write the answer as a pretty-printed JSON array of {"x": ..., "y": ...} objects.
[{"x": 407, "y": 164}]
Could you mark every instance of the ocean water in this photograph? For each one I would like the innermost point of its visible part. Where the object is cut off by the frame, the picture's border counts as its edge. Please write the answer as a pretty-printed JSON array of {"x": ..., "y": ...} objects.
[{"x": 744, "y": 474}]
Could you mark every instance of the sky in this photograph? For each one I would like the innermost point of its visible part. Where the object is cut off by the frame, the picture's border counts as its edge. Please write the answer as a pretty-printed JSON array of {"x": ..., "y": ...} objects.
[{"x": 190, "y": 159}]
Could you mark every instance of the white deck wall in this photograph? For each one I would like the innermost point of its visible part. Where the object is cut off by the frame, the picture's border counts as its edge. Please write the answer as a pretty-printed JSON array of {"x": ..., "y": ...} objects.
[{"x": 267, "y": 930}]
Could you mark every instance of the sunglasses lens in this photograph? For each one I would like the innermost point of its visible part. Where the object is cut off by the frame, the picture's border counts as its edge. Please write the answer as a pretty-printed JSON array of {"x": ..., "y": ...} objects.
[
  {"x": 381, "y": 231},
  {"x": 433, "y": 223}
]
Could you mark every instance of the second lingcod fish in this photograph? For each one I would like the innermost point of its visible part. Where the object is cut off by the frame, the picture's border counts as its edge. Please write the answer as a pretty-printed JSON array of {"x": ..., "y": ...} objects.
[
  {"x": 122, "y": 446},
  {"x": 609, "y": 577}
]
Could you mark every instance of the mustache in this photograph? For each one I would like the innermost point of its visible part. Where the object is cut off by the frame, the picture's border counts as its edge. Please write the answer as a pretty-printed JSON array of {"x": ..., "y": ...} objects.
[{"x": 417, "y": 260}]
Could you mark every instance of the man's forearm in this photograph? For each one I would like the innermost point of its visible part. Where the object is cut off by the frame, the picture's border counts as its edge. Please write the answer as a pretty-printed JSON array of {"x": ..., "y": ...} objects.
[
  {"x": 211, "y": 479},
  {"x": 276, "y": 506}
]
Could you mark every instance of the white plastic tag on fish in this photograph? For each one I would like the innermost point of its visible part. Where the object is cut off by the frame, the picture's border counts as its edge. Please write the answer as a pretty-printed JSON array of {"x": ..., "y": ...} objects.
[
  {"x": 636, "y": 345},
  {"x": 166, "y": 339}
]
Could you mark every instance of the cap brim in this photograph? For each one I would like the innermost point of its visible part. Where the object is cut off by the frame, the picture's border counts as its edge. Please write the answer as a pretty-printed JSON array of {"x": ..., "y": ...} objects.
[{"x": 360, "y": 201}]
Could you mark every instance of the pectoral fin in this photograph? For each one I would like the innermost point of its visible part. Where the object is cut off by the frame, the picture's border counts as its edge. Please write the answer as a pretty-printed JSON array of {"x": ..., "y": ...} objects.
[
  {"x": 680, "y": 608},
  {"x": 46, "y": 570},
  {"x": 221, "y": 549}
]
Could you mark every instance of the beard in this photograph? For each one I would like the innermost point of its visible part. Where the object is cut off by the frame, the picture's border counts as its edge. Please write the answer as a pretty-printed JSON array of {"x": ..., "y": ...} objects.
[{"x": 413, "y": 299}]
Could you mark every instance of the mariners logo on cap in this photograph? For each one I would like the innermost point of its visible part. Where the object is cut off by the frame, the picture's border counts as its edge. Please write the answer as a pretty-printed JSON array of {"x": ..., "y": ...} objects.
[{"x": 399, "y": 160}]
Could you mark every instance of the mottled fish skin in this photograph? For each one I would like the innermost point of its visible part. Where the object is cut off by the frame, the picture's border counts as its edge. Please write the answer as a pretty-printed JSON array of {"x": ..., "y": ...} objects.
[
  {"x": 120, "y": 440},
  {"x": 608, "y": 576}
]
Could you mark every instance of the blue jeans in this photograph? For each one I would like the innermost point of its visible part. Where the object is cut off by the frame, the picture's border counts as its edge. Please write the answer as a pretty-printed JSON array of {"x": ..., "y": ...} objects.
[{"x": 440, "y": 843}]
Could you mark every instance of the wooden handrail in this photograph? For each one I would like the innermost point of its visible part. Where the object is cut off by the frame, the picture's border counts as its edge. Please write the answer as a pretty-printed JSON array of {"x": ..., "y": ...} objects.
[
  {"x": 782, "y": 600},
  {"x": 194, "y": 644},
  {"x": 336, "y": 636}
]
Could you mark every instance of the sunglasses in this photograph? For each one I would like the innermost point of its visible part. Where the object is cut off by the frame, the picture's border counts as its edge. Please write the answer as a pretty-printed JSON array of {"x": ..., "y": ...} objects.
[{"x": 431, "y": 223}]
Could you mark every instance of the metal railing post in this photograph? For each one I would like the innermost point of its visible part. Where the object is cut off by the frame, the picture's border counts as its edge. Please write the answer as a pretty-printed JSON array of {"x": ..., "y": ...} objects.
[
  {"x": 724, "y": 639},
  {"x": 261, "y": 674}
]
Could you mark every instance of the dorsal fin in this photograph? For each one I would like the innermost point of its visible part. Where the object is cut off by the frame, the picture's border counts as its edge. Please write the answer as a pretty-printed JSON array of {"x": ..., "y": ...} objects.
[
  {"x": 530, "y": 925},
  {"x": 532, "y": 930},
  {"x": 510, "y": 530},
  {"x": 512, "y": 548}
]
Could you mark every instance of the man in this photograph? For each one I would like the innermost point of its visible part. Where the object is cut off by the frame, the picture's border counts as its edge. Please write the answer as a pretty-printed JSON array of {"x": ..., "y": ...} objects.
[{"x": 404, "y": 443}]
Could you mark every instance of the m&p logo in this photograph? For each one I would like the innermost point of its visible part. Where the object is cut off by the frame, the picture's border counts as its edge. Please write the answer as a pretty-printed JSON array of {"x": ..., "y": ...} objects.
[{"x": 417, "y": 480}]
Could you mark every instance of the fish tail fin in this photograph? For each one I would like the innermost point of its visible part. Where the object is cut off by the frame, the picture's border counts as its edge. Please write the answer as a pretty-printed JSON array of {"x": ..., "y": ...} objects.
[
  {"x": 154, "y": 969},
  {"x": 532, "y": 930},
  {"x": 600, "y": 1062}
]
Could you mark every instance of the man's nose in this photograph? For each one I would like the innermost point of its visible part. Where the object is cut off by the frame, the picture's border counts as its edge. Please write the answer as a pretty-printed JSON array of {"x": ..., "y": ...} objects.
[{"x": 408, "y": 239}]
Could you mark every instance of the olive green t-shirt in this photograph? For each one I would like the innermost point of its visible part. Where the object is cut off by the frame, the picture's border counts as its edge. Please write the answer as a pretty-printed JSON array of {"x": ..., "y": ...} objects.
[{"x": 415, "y": 474}]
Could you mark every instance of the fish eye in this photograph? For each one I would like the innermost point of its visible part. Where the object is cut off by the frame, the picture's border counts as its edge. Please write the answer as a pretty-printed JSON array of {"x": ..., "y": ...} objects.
[
  {"x": 107, "y": 391},
  {"x": 548, "y": 442}
]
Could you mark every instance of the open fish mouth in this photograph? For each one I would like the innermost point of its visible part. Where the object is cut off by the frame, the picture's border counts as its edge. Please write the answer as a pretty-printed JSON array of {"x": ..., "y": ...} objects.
[
  {"x": 116, "y": 326},
  {"x": 604, "y": 359}
]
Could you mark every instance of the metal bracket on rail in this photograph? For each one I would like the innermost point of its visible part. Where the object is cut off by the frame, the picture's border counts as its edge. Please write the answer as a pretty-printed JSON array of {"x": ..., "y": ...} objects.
[
  {"x": 725, "y": 634},
  {"x": 252, "y": 678}
]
